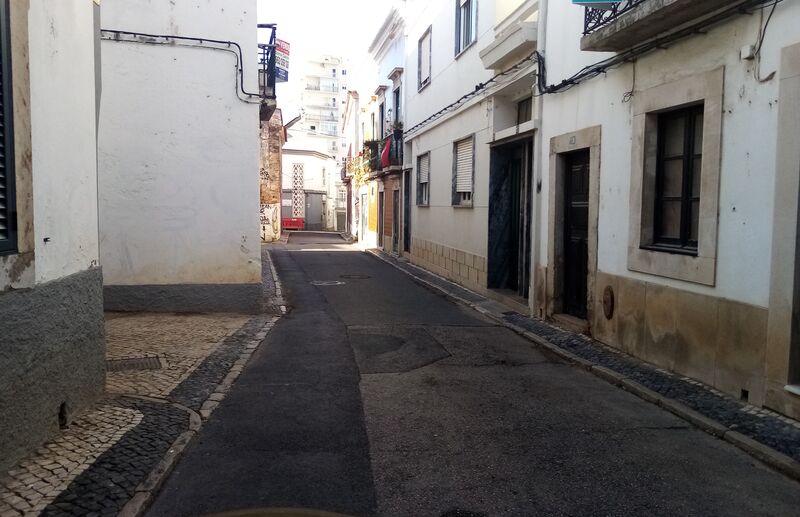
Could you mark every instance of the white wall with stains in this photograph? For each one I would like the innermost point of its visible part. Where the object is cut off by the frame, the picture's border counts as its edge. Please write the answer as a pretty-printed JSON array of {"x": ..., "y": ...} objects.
[
  {"x": 749, "y": 135},
  {"x": 63, "y": 134},
  {"x": 178, "y": 147}
]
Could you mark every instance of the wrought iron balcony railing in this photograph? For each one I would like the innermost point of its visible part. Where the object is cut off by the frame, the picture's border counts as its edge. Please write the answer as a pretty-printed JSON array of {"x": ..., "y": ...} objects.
[
  {"x": 266, "y": 63},
  {"x": 596, "y": 18}
]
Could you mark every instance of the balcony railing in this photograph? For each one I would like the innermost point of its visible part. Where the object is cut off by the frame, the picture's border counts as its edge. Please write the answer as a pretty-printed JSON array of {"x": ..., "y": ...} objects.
[
  {"x": 395, "y": 158},
  {"x": 596, "y": 18},
  {"x": 323, "y": 88},
  {"x": 629, "y": 23}
]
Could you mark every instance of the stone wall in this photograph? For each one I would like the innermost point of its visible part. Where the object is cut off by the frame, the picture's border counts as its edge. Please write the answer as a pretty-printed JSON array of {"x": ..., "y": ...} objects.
[
  {"x": 272, "y": 140},
  {"x": 717, "y": 341},
  {"x": 52, "y": 358},
  {"x": 459, "y": 266}
]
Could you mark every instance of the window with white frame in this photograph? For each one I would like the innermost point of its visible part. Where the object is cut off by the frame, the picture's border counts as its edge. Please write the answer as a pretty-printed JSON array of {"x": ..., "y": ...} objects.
[
  {"x": 463, "y": 167},
  {"x": 424, "y": 59},
  {"x": 423, "y": 179},
  {"x": 466, "y": 24}
]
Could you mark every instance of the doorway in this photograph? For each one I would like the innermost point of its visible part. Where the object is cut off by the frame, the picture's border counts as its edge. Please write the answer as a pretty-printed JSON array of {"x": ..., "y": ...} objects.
[
  {"x": 407, "y": 211},
  {"x": 575, "y": 272},
  {"x": 510, "y": 210},
  {"x": 380, "y": 218},
  {"x": 395, "y": 220},
  {"x": 362, "y": 212}
]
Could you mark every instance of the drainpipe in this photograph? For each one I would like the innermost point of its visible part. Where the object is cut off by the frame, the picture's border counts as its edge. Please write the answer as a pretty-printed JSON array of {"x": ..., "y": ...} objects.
[{"x": 537, "y": 178}]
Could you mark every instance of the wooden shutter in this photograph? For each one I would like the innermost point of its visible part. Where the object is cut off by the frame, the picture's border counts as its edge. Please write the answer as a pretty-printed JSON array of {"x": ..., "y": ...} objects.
[
  {"x": 424, "y": 168},
  {"x": 425, "y": 58},
  {"x": 464, "y": 165},
  {"x": 8, "y": 237}
]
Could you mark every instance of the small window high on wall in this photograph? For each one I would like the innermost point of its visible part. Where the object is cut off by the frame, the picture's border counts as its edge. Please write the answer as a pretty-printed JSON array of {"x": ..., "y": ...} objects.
[
  {"x": 424, "y": 59},
  {"x": 466, "y": 24}
]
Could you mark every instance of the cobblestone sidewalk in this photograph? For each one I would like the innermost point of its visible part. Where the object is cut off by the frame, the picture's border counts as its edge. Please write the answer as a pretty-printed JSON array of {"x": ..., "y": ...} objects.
[
  {"x": 769, "y": 436},
  {"x": 166, "y": 373}
]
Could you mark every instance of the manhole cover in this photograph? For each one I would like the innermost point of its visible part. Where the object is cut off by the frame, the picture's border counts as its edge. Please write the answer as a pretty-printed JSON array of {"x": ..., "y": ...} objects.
[
  {"x": 326, "y": 282},
  {"x": 133, "y": 363},
  {"x": 355, "y": 277}
]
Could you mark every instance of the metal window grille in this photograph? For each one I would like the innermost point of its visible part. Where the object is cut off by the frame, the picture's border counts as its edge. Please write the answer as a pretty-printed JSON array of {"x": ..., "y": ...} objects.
[
  {"x": 8, "y": 223},
  {"x": 298, "y": 191}
]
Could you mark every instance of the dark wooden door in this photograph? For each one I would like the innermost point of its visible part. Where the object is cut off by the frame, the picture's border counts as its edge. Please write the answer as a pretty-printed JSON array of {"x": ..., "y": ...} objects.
[
  {"x": 396, "y": 221},
  {"x": 380, "y": 219},
  {"x": 576, "y": 233}
]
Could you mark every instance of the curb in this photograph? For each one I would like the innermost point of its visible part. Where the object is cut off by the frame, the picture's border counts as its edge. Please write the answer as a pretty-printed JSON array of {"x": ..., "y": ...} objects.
[
  {"x": 774, "y": 459},
  {"x": 145, "y": 492}
]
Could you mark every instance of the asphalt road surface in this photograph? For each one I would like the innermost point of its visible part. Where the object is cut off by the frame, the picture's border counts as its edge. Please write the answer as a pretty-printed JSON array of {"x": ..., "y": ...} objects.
[{"x": 375, "y": 396}]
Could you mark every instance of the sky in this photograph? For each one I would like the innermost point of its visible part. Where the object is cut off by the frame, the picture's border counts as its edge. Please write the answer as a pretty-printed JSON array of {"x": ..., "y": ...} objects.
[{"x": 337, "y": 27}]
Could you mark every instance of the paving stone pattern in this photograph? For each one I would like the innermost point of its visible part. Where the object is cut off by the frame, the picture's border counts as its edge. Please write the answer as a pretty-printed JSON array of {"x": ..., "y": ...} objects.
[
  {"x": 107, "y": 485},
  {"x": 182, "y": 341},
  {"x": 767, "y": 427},
  {"x": 37, "y": 481},
  {"x": 95, "y": 467}
]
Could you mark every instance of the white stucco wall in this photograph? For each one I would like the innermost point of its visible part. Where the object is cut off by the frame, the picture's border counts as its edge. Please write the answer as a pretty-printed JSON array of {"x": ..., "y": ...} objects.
[
  {"x": 318, "y": 172},
  {"x": 63, "y": 132},
  {"x": 462, "y": 228},
  {"x": 179, "y": 151},
  {"x": 748, "y": 146}
]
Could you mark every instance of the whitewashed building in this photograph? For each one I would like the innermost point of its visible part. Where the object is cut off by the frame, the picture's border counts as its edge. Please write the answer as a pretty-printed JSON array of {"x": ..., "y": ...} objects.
[
  {"x": 179, "y": 156},
  {"x": 468, "y": 140},
  {"x": 52, "y": 351},
  {"x": 669, "y": 170}
]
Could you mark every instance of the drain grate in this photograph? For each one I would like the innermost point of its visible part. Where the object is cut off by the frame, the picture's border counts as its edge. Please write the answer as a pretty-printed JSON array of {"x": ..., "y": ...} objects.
[
  {"x": 133, "y": 363},
  {"x": 355, "y": 277}
]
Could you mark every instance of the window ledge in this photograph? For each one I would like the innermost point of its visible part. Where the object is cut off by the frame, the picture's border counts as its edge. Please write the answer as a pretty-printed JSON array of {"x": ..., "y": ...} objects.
[
  {"x": 465, "y": 49},
  {"x": 670, "y": 249},
  {"x": 423, "y": 85},
  {"x": 794, "y": 389}
]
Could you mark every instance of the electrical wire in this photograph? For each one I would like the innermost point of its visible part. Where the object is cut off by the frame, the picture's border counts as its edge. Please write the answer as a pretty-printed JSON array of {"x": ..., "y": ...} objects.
[
  {"x": 166, "y": 39},
  {"x": 478, "y": 88},
  {"x": 762, "y": 33},
  {"x": 601, "y": 67}
]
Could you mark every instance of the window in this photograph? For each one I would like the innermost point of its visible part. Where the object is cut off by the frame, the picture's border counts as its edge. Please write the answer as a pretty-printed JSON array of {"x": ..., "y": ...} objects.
[
  {"x": 466, "y": 27},
  {"x": 678, "y": 174},
  {"x": 372, "y": 117},
  {"x": 424, "y": 60},
  {"x": 344, "y": 72},
  {"x": 423, "y": 179},
  {"x": 397, "y": 117},
  {"x": 8, "y": 222},
  {"x": 382, "y": 122},
  {"x": 524, "y": 110},
  {"x": 463, "y": 165}
]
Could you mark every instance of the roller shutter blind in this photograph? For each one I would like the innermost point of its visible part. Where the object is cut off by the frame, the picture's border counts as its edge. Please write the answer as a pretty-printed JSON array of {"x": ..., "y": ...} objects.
[
  {"x": 463, "y": 157},
  {"x": 8, "y": 233},
  {"x": 425, "y": 59},
  {"x": 424, "y": 168}
]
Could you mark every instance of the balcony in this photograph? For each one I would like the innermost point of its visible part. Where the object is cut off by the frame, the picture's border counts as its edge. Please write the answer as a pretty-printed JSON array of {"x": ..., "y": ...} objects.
[
  {"x": 514, "y": 38},
  {"x": 631, "y": 22}
]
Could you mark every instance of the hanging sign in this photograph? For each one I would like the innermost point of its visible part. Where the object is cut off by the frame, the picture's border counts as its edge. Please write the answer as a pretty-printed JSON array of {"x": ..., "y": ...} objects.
[{"x": 281, "y": 61}]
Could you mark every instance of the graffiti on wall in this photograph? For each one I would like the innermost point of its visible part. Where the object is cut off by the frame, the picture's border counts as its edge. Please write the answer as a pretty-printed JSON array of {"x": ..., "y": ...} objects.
[{"x": 270, "y": 222}]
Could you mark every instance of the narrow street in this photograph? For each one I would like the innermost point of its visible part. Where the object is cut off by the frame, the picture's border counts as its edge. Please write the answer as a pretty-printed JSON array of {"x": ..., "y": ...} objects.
[{"x": 375, "y": 396}]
